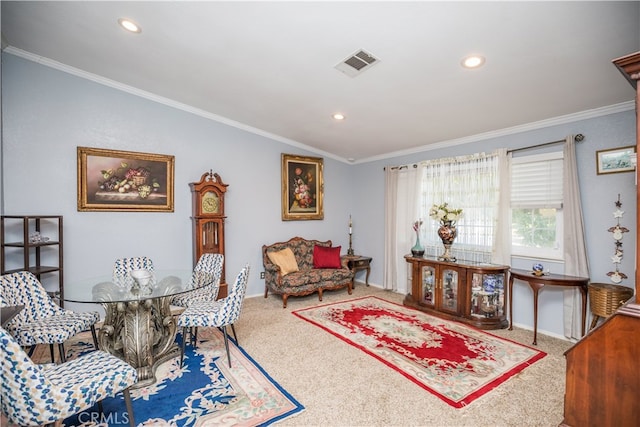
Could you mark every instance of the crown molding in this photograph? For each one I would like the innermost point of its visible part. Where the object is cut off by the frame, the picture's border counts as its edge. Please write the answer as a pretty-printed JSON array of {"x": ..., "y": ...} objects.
[{"x": 560, "y": 120}]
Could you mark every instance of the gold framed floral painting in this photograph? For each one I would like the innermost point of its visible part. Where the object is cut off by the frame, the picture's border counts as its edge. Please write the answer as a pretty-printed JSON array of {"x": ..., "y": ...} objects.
[
  {"x": 302, "y": 187},
  {"x": 126, "y": 181}
]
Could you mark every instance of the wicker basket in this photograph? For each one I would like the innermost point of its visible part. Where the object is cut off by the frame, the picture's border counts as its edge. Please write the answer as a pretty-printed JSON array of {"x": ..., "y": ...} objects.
[
  {"x": 605, "y": 298},
  {"x": 139, "y": 180}
]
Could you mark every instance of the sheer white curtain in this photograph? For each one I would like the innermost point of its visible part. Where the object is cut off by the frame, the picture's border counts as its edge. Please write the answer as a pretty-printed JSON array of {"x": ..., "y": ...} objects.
[
  {"x": 470, "y": 183},
  {"x": 390, "y": 266},
  {"x": 575, "y": 250},
  {"x": 402, "y": 186}
]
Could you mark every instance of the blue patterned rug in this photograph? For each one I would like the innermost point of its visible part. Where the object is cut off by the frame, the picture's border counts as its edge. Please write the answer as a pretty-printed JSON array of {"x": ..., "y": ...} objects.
[{"x": 204, "y": 392}]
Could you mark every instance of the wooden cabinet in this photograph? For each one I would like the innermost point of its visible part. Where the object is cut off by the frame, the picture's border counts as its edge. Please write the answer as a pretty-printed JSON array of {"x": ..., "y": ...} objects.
[
  {"x": 603, "y": 381},
  {"x": 34, "y": 243},
  {"x": 439, "y": 287},
  {"x": 629, "y": 66},
  {"x": 473, "y": 293}
]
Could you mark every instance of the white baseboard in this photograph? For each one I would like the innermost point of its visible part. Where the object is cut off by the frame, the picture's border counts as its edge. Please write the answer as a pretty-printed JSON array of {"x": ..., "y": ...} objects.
[{"x": 543, "y": 332}]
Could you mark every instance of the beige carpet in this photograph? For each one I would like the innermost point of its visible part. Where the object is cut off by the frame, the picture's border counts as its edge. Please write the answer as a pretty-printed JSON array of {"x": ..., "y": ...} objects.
[{"x": 340, "y": 385}]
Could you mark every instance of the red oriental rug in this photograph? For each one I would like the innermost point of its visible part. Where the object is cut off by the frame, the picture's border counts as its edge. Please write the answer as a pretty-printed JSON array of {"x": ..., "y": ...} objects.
[{"x": 453, "y": 361}]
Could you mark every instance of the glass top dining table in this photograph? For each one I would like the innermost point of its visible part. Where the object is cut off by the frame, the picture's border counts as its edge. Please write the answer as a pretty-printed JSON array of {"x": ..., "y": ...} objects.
[
  {"x": 139, "y": 326},
  {"x": 160, "y": 284}
]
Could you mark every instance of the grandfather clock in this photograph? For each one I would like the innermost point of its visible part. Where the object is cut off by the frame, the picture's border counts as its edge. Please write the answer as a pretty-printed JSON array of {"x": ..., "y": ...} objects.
[{"x": 208, "y": 219}]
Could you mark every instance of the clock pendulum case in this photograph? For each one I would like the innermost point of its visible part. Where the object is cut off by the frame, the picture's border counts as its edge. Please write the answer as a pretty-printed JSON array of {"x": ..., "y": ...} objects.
[{"x": 208, "y": 219}]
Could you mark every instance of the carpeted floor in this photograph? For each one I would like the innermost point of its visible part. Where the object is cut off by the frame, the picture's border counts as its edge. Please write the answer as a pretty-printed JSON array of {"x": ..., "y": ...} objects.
[{"x": 340, "y": 385}]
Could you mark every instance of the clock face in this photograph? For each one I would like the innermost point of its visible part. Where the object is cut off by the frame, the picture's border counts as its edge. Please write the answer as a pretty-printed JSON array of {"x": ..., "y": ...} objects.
[{"x": 210, "y": 202}]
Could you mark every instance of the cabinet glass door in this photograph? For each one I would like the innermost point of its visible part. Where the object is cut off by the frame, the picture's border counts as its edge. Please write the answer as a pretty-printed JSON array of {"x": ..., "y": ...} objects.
[
  {"x": 449, "y": 295},
  {"x": 428, "y": 285},
  {"x": 487, "y": 295}
]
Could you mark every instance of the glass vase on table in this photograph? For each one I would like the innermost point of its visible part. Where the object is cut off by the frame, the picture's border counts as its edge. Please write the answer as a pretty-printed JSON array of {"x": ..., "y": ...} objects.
[{"x": 417, "y": 250}]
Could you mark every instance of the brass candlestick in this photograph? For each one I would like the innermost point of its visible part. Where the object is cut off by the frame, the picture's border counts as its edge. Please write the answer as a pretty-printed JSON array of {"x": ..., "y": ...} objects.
[{"x": 350, "y": 250}]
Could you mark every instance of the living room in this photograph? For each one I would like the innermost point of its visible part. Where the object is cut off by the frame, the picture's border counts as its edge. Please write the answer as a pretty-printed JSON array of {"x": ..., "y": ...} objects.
[{"x": 49, "y": 110}]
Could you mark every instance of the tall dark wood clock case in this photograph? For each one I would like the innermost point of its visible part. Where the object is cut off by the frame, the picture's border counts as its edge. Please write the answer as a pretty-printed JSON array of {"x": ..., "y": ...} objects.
[{"x": 208, "y": 219}]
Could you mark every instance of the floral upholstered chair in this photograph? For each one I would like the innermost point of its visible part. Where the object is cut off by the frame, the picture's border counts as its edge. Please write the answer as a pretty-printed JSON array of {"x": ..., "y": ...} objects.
[
  {"x": 219, "y": 314},
  {"x": 208, "y": 269},
  {"x": 33, "y": 395},
  {"x": 42, "y": 321},
  {"x": 123, "y": 266}
]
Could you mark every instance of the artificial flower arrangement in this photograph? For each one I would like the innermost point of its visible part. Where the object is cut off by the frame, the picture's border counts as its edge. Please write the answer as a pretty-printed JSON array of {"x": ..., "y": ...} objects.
[
  {"x": 417, "y": 225},
  {"x": 443, "y": 213}
]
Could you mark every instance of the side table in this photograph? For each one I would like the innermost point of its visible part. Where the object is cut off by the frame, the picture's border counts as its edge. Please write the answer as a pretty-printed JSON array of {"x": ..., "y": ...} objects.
[
  {"x": 357, "y": 263},
  {"x": 537, "y": 283}
]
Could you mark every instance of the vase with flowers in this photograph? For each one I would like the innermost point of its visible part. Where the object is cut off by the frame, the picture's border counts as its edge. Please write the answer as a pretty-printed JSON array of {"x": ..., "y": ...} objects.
[
  {"x": 447, "y": 231},
  {"x": 417, "y": 250}
]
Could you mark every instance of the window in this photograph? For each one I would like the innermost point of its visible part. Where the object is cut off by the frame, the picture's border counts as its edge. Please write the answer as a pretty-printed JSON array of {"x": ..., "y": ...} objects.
[
  {"x": 469, "y": 183},
  {"x": 536, "y": 206}
]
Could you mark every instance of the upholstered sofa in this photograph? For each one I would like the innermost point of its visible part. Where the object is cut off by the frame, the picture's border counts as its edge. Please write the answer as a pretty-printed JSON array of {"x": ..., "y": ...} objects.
[{"x": 302, "y": 267}]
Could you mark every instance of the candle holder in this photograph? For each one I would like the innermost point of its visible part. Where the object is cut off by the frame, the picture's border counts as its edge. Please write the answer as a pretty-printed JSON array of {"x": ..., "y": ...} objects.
[{"x": 350, "y": 250}]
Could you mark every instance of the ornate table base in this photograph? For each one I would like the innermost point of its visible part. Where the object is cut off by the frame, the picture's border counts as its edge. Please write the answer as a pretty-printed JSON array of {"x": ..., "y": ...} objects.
[{"x": 142, "y": 333}]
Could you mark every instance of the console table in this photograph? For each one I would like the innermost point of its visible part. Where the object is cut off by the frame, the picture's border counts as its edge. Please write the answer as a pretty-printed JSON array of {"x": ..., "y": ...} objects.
[{"x": 537, "y": 283}]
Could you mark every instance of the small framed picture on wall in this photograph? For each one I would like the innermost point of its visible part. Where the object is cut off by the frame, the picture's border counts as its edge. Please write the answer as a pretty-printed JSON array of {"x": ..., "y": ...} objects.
[{"x": 616, "y": 160}]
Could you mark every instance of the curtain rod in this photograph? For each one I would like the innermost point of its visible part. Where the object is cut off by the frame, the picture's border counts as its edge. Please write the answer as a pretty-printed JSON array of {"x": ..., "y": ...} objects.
[
  {"x": 579, "y": 137},
  {"x": 415, "y": 165}
]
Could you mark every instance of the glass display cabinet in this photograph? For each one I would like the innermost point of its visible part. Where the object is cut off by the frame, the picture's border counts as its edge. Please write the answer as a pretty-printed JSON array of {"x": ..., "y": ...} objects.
[{"x": 473, "y": 293}]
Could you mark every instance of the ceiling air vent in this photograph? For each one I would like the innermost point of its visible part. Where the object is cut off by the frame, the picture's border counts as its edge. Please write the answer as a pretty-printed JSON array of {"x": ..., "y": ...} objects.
[{"x": 357, "y": 63}]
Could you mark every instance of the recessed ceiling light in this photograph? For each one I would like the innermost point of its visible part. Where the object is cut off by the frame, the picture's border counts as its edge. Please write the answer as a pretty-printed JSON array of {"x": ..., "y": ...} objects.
[
  {"x": 473, "y": 61},
  {"x": 338, "y": 116},
  {"x": 129, "y": 25}
]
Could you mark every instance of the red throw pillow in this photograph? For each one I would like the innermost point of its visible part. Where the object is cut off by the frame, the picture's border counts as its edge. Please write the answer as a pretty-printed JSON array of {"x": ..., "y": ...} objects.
[{"x": 326, "y": 257}]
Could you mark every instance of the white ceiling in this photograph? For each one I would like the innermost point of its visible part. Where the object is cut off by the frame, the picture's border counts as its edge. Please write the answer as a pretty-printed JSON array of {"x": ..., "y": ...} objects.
[{"x": 269, "y": 66}]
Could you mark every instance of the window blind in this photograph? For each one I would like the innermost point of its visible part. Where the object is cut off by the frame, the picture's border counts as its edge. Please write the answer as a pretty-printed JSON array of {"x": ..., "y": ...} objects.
[{"x": 537, "y": 184}]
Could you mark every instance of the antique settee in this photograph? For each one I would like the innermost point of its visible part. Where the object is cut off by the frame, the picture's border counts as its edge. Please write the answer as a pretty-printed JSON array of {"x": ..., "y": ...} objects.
[{"x": 301, "y": 267}]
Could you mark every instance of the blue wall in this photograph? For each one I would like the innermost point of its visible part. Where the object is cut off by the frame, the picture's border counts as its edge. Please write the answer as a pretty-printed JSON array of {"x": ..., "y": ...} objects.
[{"x": 47, "y": 113}]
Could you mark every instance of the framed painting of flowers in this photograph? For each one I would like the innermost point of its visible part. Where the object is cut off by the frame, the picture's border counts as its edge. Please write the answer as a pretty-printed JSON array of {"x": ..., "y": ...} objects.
[
  {"x": 126, "y": 181},
  {"x": 302, "y": 187}
]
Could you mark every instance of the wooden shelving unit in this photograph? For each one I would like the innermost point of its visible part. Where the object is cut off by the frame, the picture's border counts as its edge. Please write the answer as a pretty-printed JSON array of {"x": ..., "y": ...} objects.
[{"x": 19, "y": 253}]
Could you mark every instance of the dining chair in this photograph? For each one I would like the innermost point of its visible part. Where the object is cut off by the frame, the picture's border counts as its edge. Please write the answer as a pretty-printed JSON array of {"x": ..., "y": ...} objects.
[
  {"x": 33, "y": 395},
  {"x": 123, "y": 266},
  {"x": 219, "y": 314},
  {"x": 41, "y": 321},
  {"x": 211, "y": 266}
]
